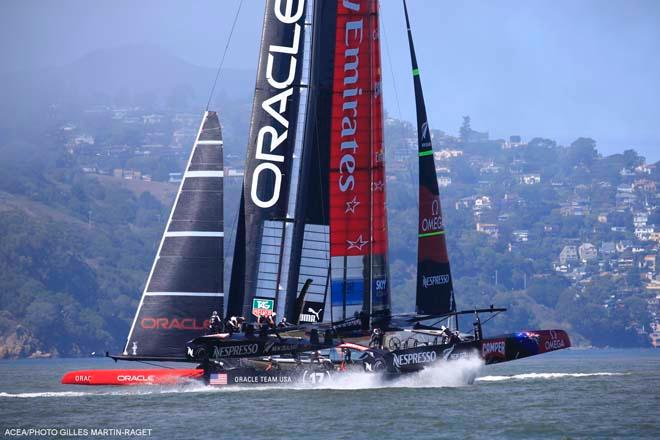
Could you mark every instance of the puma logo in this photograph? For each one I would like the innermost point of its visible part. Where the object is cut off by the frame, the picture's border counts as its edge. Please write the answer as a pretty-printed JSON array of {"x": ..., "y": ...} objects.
[{"x": 311, "y": 310}]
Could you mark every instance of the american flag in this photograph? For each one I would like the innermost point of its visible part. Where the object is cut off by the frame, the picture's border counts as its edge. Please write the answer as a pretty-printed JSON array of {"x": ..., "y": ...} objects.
[{"x": 218, "y": 379}]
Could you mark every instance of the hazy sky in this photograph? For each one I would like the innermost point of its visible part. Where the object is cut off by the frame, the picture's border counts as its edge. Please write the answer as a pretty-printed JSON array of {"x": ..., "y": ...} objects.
[{"x": 552, "y": 68}]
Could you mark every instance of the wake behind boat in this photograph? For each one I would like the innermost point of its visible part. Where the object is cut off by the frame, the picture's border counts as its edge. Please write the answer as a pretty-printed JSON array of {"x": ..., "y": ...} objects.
[{"x": 311, "y": 240}]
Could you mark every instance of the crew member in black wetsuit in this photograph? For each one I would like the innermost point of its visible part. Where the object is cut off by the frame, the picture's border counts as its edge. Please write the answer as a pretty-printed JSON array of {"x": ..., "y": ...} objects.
[
  {"x": 232, "y": 325},
  {"x": 376, "y": 339},
  {"x": 452, "y": 337},
  {"x": 215, "y": 323}
]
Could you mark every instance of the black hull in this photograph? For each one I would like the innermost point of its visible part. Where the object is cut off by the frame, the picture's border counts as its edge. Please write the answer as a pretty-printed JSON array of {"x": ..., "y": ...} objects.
[{"x": 398, "y": 363}]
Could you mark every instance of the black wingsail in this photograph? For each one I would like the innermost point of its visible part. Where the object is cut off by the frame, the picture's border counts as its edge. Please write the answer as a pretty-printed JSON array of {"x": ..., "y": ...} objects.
[
  {"x": 186, "y": 281},
  {"x": 310, "y": 255},
  {"x": 435, "y": 294},
  {"x": 262, "y": 252}
]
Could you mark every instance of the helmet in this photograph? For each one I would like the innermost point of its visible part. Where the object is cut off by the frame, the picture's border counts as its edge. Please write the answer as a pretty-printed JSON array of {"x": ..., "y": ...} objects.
[
  {"x": 215, "y": 312},
  {"x": 376, "y": 331}
]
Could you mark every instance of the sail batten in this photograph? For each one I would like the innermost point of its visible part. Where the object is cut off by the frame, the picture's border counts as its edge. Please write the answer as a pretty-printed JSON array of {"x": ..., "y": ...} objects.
[{"x": 434, "y": 283}]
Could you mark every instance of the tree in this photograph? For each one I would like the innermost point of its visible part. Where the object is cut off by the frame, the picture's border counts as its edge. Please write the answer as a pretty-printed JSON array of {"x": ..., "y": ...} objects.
[
  {"x": 465, "y": 129},
  {"x": 582, "y": 152}
]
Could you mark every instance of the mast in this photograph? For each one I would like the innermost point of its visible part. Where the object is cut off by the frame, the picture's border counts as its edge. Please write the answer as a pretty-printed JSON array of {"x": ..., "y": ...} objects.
[
  {"x": 435, "y": 294},
  {"x": 358, "y": 219},
  {"x": 186, "y": 280},
  {"x": 262, "y": 253}
]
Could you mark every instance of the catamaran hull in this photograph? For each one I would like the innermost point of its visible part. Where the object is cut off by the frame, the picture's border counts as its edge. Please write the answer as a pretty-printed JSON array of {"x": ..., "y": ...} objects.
[
  {"x": 160, "y": 376},
  {"x": 493, "y": 350}
]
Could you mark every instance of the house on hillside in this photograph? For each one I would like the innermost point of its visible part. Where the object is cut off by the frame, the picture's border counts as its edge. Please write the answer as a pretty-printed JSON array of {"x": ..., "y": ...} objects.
[
  {"x": 587, "y": 252},
  {"x": 489, "y": 229},
  {"x": 607, "y": 248},
  {"x": 447, "y": 154},
  {"x": 530, "y": 179},
  {"x": 521, "y": 236},
  {"x": 444, "y": 181},
  {"x": 482, "y": 202},
  {"x": 644, "y": 233},
  {"x": 640, "y": 219},
  {"x": 568, "y": 255}
]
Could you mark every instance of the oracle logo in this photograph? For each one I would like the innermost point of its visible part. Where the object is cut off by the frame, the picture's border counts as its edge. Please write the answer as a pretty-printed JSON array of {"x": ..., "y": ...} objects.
[
  {"x": 268, "y": 137},
  {"x": 150, "y": 323},
  {"x": 136, "y": 378}
]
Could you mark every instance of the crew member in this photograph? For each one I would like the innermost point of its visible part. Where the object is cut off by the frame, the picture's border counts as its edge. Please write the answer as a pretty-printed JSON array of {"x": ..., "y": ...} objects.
[
  {"x": 282, "y": 323},
  {"x": 271, "y": 321},
  {"x": 452, "y": 337},
  {"x": 346, "y": 358},
  {"x": 215, "y": 323},
  {"x": 376, "y": 339}
]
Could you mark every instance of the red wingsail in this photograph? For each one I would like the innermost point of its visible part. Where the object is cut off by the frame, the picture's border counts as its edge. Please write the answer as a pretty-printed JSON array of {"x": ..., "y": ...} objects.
[{"x": 358, "y": 220}]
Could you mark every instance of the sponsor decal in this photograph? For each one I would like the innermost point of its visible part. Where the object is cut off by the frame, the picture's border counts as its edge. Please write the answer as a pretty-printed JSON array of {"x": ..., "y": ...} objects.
[
  {"x": 263, "y": 379},
  {"x": 435, "y": 280},
  {"x": 235, "y": 350},
  {"x": 459, "y": 355},
  {"x": 263, "y": 307},
  {"x": 493, "y": 348},
  {"x": 351, "y": 323},
  {"x": 135, "y": 378},
  {"x": 422, "y": 357},
  {"x": 426, "y": 138},
  {"x": 354, "y": 34},
  {"x": 270, "y": 138},
  {"x": 312, "y": 316},
  {"x": 434, "y": 221},
  {"x": 150, "y": 323},
  {"x": 134, "y": 348},
  {"x": 379, "y": 296},
  {"x": 272, "y": 347},
  {"x": 83, "y": 379},
  {"x": 556, "y": 342},
  {"x": 356, "y": 157}
]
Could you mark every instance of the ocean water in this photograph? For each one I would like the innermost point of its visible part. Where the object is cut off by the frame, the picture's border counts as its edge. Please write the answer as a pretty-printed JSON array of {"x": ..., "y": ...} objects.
[{"x": 567, "y": 394}]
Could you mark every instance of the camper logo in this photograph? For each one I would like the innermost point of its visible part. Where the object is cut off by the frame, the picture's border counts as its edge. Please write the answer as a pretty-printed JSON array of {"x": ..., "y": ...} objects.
[
  {"x": 493, "y": 349},
  {"x": 262, "y": 307}
]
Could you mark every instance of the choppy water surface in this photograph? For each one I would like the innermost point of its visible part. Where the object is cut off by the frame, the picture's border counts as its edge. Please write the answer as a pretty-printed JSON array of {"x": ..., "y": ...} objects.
[{"x": 569, "y": 394}]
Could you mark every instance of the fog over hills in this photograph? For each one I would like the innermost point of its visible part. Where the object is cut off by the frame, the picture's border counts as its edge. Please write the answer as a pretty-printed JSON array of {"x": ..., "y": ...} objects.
[{"x": 142, "y": 75}]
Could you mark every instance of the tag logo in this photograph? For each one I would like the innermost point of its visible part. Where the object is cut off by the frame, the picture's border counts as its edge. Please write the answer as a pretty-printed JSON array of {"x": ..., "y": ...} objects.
[{"x": 263, "y": 307}]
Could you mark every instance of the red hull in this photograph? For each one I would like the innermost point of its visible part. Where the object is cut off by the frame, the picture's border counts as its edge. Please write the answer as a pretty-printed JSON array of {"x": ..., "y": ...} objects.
[{"x": 130, "y": 377}]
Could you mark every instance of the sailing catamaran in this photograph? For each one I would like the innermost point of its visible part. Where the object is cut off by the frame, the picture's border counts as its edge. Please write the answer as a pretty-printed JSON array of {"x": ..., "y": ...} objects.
[{"x": 311, "y": 239}]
